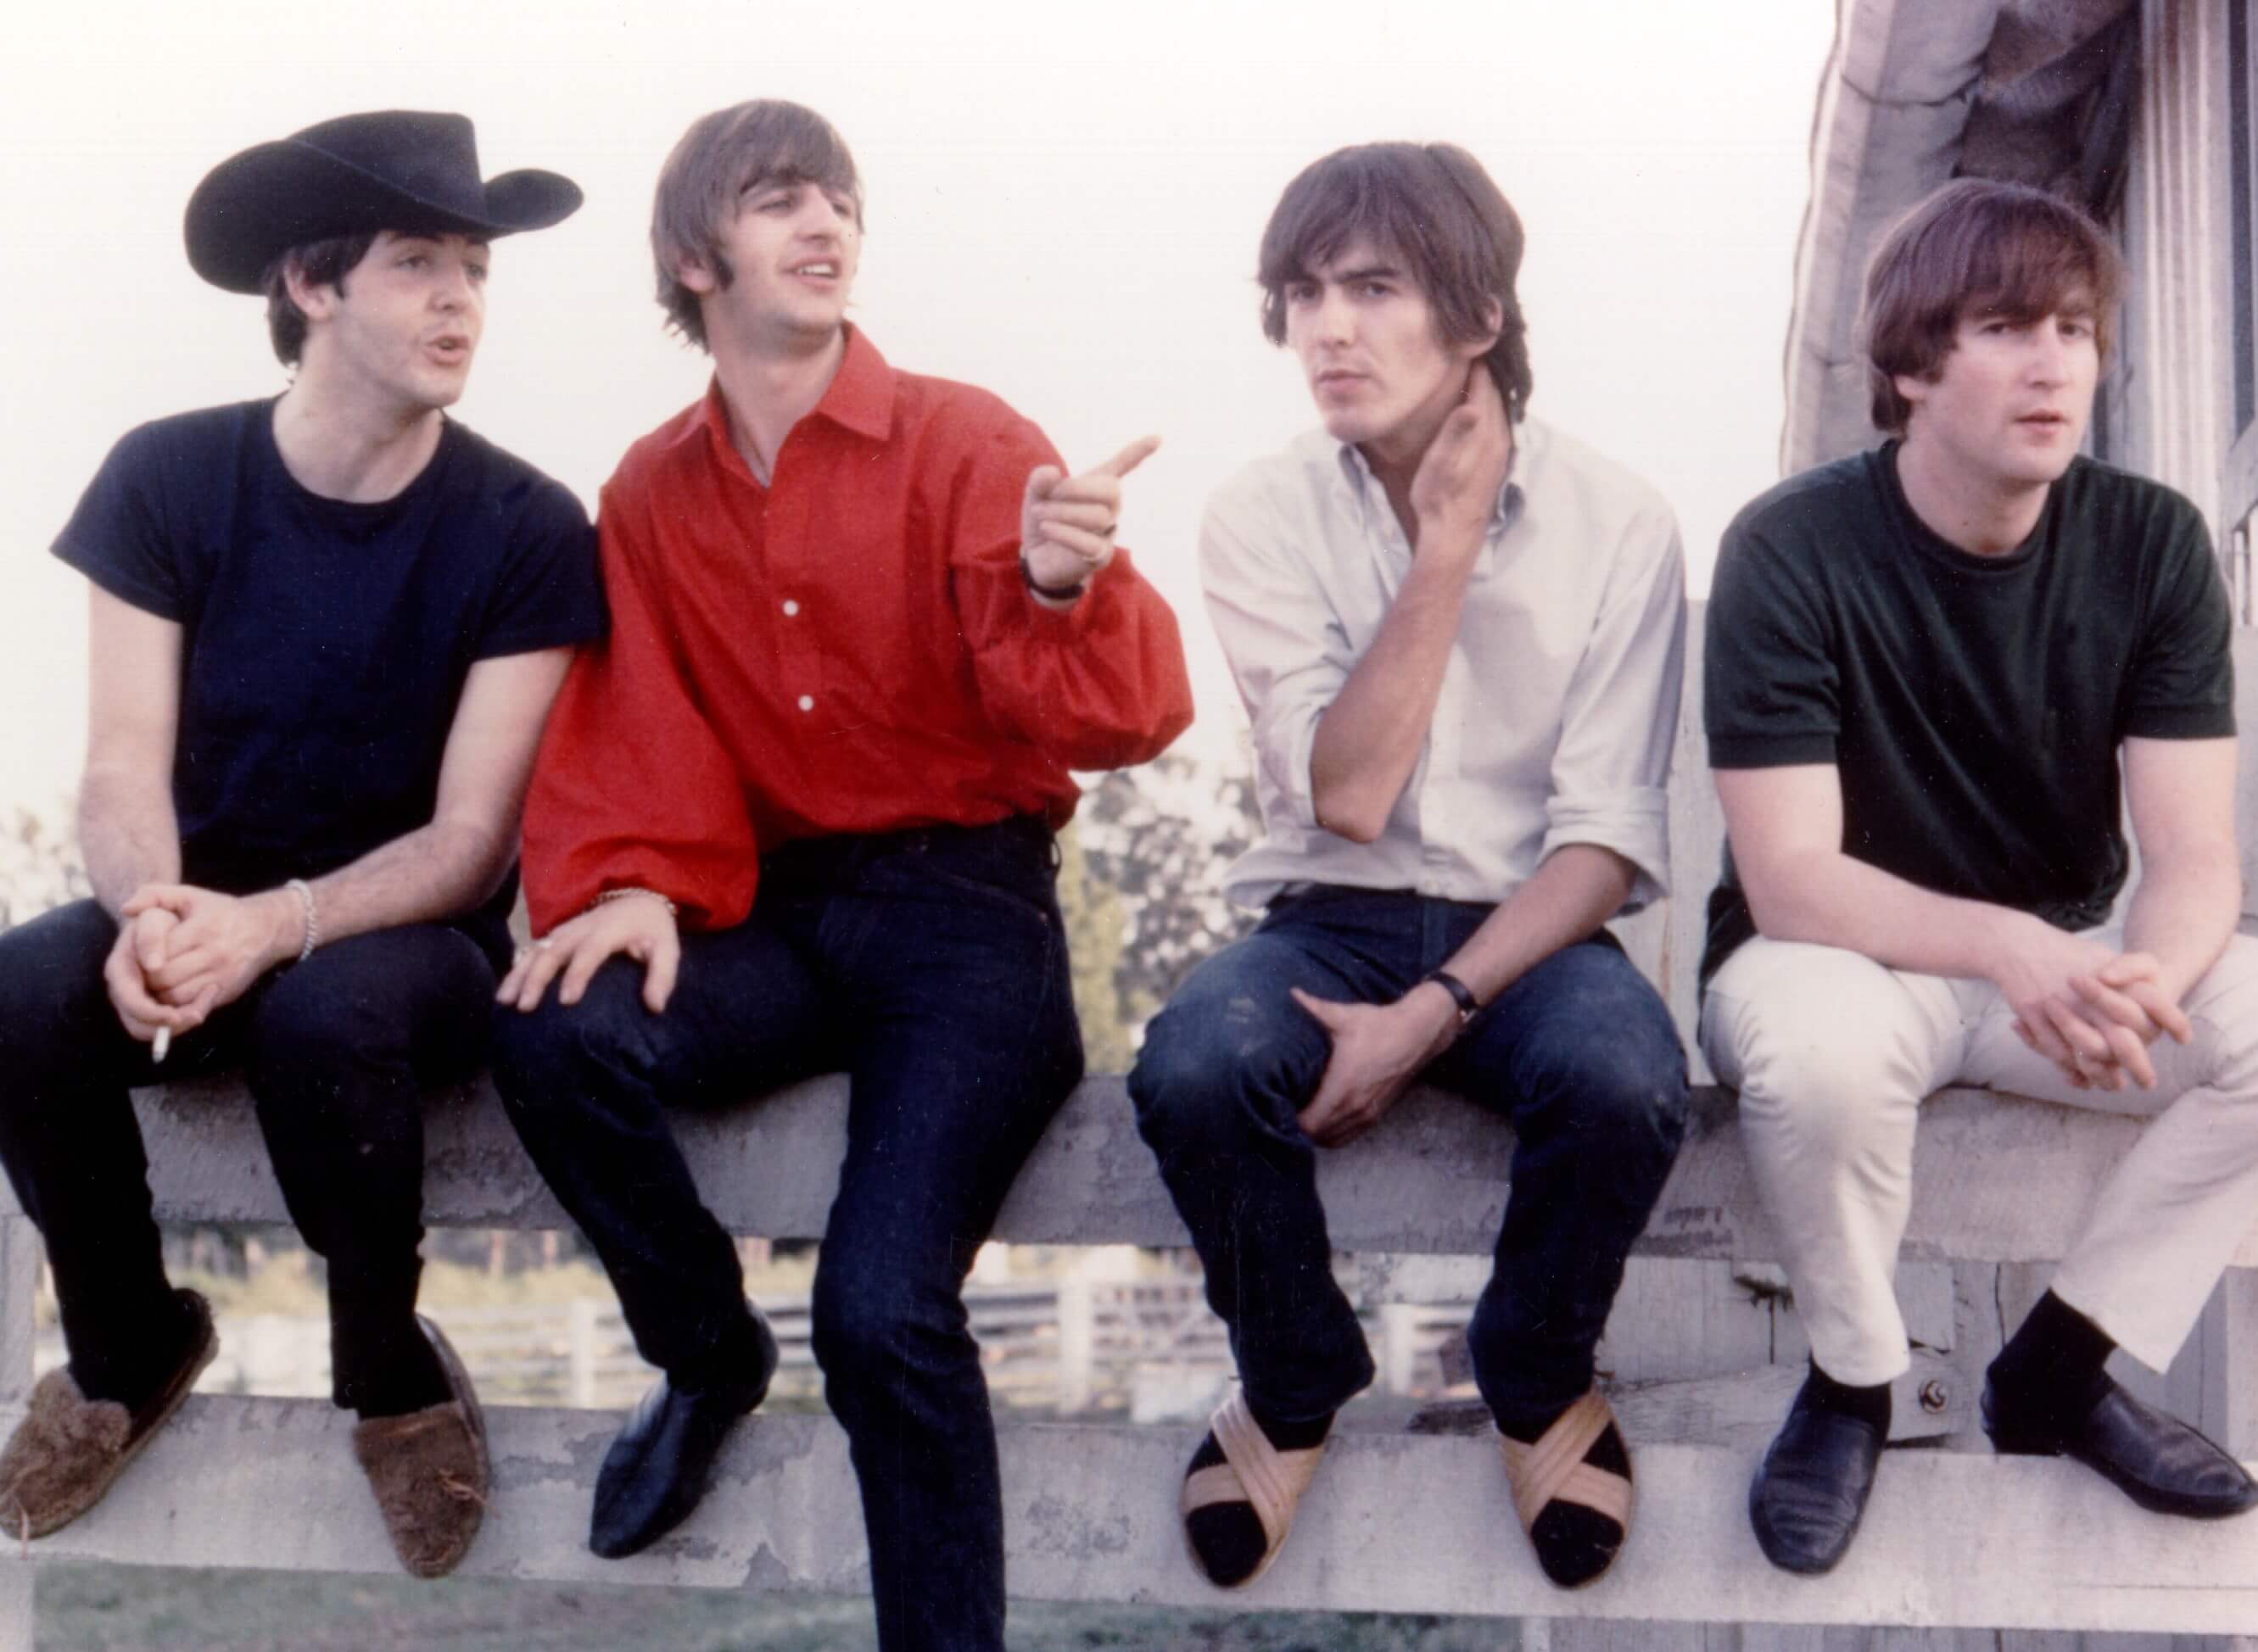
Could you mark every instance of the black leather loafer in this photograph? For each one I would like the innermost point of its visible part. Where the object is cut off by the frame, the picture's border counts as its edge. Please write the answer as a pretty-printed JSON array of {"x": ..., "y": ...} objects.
[
  {"x": 1810, "y": 1489},
  {"x": 662, "y": 1461},
  {"x": 2154, "y": 1458}
]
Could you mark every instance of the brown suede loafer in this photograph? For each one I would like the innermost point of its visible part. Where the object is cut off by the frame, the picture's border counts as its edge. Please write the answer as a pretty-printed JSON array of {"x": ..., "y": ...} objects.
[
  {"x": 429, "y": 1471},
  {"x": 68, "y": 1449}
]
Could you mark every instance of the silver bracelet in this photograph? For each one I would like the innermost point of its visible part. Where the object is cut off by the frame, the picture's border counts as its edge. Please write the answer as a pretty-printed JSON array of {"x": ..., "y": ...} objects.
[
  {"x": 621, "y": 894},
  {"x": 304, "y": 891}
]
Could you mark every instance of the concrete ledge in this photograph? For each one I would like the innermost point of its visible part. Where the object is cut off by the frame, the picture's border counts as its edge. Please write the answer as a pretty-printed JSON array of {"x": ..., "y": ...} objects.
[
  {"x": 1996, "y": 1177},
  {"x": 1951, "y": 1540}
]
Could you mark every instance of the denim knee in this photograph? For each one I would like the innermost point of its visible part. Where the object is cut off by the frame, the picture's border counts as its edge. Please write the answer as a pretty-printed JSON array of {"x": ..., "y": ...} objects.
[
  {"x": 52, "y": 995},
  {"x": 556, "y": 1050},
  {"x": 1632, "y": 1097},
  {"x": 1215, "y": 1078},
  {"x": 871, "y": 1318}
]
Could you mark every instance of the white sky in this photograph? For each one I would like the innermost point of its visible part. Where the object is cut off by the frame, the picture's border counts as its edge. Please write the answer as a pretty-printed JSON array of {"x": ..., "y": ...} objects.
[{"x": 1063, "y": 203}]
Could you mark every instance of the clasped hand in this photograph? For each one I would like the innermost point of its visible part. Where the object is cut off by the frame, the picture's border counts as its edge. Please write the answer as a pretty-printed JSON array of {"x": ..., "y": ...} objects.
[
  {"x": 183, "y": 952},
  {"x": 2091, "y": 1011}
]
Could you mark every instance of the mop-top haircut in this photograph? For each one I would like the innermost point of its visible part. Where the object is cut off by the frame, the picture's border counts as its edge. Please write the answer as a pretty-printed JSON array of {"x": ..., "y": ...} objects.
[
  {"x": 1976, "y": 247},
  {"x": 1429, "y": 205},
  {"x": 721, "y": 156}
]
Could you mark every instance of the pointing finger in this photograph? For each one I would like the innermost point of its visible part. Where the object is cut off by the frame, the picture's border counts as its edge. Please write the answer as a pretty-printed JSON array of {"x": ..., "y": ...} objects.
[{"x": 1130, "y": 456}]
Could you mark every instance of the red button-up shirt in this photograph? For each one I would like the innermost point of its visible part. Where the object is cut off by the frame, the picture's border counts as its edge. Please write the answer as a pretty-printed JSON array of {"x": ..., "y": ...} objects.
[{"x": 848, "y": 649}]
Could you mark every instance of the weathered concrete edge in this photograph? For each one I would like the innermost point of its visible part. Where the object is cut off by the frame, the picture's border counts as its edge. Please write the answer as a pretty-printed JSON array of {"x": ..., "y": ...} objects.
[
  {"x": 1996, "y": 1177},
  {"x": 1951, "y": 1539}
]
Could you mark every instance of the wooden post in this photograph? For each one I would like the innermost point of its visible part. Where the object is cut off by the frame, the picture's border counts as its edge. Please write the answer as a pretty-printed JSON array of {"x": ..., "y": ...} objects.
[
  {"x": 2228, "y": 1407},
  {"x": 1399, "y": 1346},
  {"x": 1078, "y": 1344},
  {"x": 20, "y": 1280},
  {"x": 580, "y": 1319}
]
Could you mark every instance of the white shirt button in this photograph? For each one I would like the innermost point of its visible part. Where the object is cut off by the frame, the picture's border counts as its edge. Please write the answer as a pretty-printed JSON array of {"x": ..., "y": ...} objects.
[
  {"x": 807, "y": 702},
  {"x": 791, "y": 607}
]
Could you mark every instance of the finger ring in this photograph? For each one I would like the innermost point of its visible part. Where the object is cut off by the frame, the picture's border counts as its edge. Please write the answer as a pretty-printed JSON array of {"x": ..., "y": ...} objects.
[{"x": 544, "y": 943}]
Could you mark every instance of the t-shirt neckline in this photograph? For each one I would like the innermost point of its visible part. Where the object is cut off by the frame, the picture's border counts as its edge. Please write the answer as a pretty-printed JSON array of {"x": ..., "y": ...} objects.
[
  {"x": 353, "y": 511},
  {"x": 1942, "y": 550}
]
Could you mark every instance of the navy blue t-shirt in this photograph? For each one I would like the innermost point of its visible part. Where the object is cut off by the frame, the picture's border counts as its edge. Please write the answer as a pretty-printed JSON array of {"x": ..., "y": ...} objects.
[{"x": 324, "y": 643}]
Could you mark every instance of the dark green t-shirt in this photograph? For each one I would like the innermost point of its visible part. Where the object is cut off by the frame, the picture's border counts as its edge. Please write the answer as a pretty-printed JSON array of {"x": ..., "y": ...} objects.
[{"x": 1973, "y": 705}]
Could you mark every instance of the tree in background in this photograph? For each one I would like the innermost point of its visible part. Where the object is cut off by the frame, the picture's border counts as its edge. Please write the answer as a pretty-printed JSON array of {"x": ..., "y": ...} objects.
[{"x": 1142, "y": 885}]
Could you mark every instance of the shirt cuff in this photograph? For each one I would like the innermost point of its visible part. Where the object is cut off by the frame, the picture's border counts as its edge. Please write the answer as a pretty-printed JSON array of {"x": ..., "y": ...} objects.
[
  {"x": 1287, "y": 755},
  {"x": 1104, "y": 593},
  {"x": 1634, "y": 824}
]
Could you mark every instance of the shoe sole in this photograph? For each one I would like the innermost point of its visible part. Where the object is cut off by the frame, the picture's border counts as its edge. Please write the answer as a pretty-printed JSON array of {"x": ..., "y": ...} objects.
[
  {"x": 2009, "y": 1443},
  {"x": 458, "y": 1384}
]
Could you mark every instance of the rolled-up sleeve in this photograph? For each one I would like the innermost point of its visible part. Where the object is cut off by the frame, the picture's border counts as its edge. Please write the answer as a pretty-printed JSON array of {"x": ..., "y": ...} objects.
[
  {"x": 1611, "y": 770},
  {"x": 1287, "y": 650}
]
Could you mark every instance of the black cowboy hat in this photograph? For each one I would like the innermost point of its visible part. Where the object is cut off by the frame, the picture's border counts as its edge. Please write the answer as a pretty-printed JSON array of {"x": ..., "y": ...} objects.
[{"x": 394, "y": 169}]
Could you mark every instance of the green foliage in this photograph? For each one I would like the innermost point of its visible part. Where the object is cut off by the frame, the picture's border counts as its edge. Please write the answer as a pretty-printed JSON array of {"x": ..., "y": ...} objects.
[
  {"x": 1095, "y": 931},
  {"x": 1140, "y": 885},
  {"x": 1160, "y": 838}
]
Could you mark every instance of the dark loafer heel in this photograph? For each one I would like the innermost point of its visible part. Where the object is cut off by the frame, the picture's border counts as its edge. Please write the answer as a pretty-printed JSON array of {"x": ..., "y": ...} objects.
[{"x": 2156, "y": 1459}]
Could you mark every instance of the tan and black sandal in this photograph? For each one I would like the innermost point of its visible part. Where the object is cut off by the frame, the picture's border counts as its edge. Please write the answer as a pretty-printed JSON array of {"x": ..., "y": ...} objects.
[
  {"x": 1254, "y": 1472},
  {"x": 1555, "y": 1469}
]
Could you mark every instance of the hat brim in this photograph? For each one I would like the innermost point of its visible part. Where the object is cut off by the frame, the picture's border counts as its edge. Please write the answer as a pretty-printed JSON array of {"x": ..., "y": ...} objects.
[{"x": 257, "y": 206}]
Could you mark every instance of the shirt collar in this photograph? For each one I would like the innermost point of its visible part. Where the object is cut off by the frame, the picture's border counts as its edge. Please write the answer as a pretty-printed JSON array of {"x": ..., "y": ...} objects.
[
  {"x": 860, "y": 397},
  {"x": 861, "y": 394},
  {"x": 1529, "y": 444}
]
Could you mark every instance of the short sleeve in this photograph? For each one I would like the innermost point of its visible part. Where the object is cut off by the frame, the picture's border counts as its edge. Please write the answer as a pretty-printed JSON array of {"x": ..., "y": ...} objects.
[
  {"x": 1771, "y": 690},
  {"x": 116, "y": 538},
  {"x": 2182, "y": 679},
  {"x": 549, "y": 592}
]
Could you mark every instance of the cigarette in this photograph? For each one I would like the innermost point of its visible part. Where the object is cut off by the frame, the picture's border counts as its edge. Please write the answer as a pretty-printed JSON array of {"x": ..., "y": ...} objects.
[{"x": 159, "y": 1045}]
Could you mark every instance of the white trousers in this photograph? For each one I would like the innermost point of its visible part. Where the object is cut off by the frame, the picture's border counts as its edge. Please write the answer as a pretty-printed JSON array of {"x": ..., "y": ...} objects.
[{"x": 1832, "y": 1054}]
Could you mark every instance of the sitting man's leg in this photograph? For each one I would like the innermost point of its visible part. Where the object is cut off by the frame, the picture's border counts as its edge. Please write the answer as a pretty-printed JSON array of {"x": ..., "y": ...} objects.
[
  {"x": 341, "y": 1049},
  {"x": 587, "y": 1084},
  {"x": 952, "y": 965},
  {"x": 74, "y": 1155},
  {"x": 1832, "y": 1054},
  {"x": 2164, "y": 1227},
  {"x": 1580, "y": 1054},
  {"x": 1225, "y": 1070}
]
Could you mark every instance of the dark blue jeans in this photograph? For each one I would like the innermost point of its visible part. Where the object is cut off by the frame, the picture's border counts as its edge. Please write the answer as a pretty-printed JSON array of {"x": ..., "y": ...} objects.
[
  {"x": 337, "y": 1053},
  {"x": 1580, "y": 1055},
  {"x": 931, "y": 966}
]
